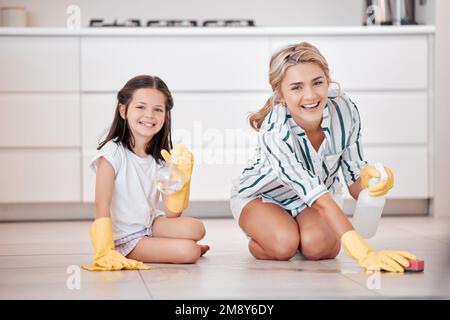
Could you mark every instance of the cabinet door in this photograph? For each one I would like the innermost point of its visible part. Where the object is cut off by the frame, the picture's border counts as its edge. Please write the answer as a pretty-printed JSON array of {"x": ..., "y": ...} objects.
[
  {"x": 371, "y": 62},
  {"x": 39, "y": 64},
  {"x": 184, "y": 63},
  {"x": 39, "y": 175},
  {"x": 39, "y": 120},
  {"x": 97, "y": 114},
  {"x": 390, "y": 118}
]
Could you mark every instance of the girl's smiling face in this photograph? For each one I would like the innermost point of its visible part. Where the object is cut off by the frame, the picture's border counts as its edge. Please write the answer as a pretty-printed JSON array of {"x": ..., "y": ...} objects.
[
  {"x": 304, "y": 89},
  {"x": 146, "y": 113}
]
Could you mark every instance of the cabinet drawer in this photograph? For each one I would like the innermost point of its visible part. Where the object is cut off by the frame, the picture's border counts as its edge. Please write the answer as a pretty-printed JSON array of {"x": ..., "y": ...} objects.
[
  {"x": 39, "y": 120},
  {"x": 30, "y": 175},
  {"x": 371, "y": 62},
  {"x": 184, "y": 63},
  {"x": 393, "y": 118},
  {"x": 39, "y": 64},
  {"x": 215, "y": 120}
]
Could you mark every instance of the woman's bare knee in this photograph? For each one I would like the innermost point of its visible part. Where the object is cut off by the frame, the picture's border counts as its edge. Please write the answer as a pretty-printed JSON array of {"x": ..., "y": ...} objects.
[
  {"x": 316, "y": 245},
  {"x": 284, "y": 248},
  {"x": 281, "y": 246}
]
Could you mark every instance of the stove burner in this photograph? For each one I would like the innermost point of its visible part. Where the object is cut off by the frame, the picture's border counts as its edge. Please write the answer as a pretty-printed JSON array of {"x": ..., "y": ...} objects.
[
  {"x": 171, "y": 23},
  {"x": 128, "y": 23},
  {"x": 174, "y": 23},
  {"x": 229, "y": 23}
]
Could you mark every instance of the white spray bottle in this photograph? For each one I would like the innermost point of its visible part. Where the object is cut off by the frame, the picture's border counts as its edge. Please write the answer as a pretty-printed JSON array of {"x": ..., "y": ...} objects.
[{"x": 369, "y": 208}]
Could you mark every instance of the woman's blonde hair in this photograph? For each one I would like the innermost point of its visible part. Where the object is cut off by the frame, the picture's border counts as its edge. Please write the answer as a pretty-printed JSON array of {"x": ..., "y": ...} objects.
[{"x": 280, "y": 61}]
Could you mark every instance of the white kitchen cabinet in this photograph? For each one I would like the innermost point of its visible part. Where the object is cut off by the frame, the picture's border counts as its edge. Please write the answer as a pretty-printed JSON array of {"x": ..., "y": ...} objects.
[
  {"x": 39, "y": 120},
  {"x": 184, "y": 63},
  {"x": 42, "y": 64},
  {"x": 40, "y": 175},
  {"x": 58, "y": 96}
]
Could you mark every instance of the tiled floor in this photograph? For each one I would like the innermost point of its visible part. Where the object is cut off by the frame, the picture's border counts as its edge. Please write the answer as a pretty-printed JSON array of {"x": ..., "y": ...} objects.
[{"x": 35, "y": 257}]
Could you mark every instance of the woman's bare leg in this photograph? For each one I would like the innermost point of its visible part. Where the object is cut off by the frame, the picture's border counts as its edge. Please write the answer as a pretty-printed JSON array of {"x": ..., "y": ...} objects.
[
  {"x": 180, "y": 228},
  {"x": 274, "y": 233},
  {"x": 317, "y": 238},
  {"x": 166, "y": 250}
]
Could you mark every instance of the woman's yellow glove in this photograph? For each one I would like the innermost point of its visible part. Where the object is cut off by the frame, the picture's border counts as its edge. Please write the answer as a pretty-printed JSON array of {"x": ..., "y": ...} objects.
[
  {"x": 393, "y": 261},
  {"x": 179, "y": 201},
  {"x": 106, "y": 257},
  {"x": 380, "y": 188}
]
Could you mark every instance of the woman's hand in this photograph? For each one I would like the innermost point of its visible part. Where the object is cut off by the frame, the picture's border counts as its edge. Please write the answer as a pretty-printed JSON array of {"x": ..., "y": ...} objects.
[
  {"x": 380, "y": 188},
  {"x": 387, "y": 260}
]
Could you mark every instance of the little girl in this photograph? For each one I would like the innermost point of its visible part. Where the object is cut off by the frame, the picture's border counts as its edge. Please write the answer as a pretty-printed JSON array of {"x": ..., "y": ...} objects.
[
  {"x": 128, "y": 227},
  {"x": 285, "y": 200}
]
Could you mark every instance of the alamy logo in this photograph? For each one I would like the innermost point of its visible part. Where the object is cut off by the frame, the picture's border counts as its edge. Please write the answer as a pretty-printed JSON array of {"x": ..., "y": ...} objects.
[
  {"x": 73, "y": 281},
  {"x": 74, "y": 18}
]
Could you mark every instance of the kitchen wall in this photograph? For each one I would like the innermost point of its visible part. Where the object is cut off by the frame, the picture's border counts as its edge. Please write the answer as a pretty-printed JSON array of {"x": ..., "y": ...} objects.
[
  {"x": 52, "y": 13},
  {"x": 442, "y": 111}
]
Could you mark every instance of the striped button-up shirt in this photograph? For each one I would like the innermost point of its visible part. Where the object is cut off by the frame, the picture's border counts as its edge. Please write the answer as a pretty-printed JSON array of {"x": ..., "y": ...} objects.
[{"x": 287, "y": 170}]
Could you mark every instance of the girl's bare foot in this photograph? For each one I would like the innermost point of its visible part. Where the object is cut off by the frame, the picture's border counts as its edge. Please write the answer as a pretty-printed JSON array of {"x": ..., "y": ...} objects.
[{"x": 204, "y": 248}]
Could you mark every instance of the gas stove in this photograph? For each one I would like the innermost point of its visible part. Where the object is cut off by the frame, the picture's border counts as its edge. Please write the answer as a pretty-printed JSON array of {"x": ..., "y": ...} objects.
[{"x": 95, "y": 23}]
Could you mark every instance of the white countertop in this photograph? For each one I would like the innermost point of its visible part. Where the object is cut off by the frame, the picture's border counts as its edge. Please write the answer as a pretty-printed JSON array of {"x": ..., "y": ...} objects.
[{"x": 202, "y": 31}]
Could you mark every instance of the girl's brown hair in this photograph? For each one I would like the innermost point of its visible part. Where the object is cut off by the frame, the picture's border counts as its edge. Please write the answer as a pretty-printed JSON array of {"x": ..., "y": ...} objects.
[
  {"x": 120, "y": 130},
  {"x": 280, "y": 61}
]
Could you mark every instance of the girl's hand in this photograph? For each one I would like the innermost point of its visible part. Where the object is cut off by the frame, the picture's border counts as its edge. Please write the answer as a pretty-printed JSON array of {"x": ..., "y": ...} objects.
[
  {"x": 184, "y": 159},
  {"x": 179, "y": 201}
]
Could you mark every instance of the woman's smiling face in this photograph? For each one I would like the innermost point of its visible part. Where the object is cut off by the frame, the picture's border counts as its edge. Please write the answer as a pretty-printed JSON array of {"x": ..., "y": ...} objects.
[{"x": 304, "y": 89}]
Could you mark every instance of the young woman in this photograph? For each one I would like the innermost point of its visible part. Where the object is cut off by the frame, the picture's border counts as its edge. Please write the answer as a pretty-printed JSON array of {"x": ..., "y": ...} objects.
[{"x": 284, "y": 199}]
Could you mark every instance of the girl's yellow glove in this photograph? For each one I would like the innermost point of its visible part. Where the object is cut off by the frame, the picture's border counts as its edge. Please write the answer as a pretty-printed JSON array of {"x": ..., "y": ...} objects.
[
  {"x": 393, "y": 261},
  {"x": 106, "y": 257},
  {"x": 179, "y": 201}
]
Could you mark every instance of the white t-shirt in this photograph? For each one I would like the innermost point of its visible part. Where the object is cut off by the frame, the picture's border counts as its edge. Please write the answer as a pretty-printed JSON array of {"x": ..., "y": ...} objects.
[{"x": 135, "y": 197}]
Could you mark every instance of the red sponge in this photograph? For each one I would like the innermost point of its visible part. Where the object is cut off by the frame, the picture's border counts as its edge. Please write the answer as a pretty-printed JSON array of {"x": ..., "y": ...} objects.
[{"x": 415, "y": 266}]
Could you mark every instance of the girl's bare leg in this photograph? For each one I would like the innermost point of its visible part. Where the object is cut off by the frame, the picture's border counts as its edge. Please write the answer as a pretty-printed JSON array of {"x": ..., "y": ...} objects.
[
  {"x": 180, "y": 228},
  {"x": 166, "y": 250}
]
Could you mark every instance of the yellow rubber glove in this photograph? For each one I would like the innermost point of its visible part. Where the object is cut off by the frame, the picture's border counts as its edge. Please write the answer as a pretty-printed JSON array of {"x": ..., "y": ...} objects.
[
  {"x": 179, "y": 201},
  {"x": 393, "y": 261},
  {"x": 380, "y": 188},
  {"x": 106, "y": 257}
]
